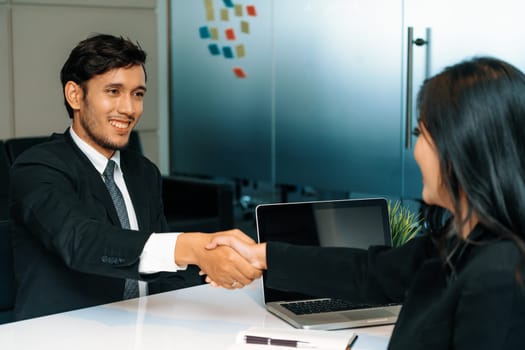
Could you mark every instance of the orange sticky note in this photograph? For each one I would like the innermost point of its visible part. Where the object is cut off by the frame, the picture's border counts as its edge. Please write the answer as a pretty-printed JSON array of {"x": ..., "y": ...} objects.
[
  {"x": 230, "y": 34},
  {"x": 250, "y": 9},
  {"x": 239, "y": 72}
]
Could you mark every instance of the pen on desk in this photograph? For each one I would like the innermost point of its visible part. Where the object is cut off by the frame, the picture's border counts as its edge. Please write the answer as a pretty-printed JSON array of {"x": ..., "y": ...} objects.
[
  {"x": 251, "y": 339},
  {"x": 352, "y": 342}
]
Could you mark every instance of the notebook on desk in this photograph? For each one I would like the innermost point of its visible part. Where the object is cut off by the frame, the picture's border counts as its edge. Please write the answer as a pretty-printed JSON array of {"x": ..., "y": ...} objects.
[{"x": 357, "y": 223}]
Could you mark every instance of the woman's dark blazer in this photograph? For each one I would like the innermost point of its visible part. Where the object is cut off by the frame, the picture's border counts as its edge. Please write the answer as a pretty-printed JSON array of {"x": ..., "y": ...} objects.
[
  {"x": 69, "y": 249},
  {"x": 476, "y": 304}
]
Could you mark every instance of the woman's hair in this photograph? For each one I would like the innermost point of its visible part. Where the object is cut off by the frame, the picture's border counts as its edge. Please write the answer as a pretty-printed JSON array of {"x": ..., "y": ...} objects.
[
  {"x": 474, "y": 112},
  {"x": 97, "y": 55}
]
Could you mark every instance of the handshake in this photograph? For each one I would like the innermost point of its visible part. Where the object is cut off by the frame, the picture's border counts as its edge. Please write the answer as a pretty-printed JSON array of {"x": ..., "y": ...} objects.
[{"x": 229, "y": 259}]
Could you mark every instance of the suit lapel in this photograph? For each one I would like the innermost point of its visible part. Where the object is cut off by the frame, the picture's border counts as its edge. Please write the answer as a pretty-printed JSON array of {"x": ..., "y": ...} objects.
[
  {"x": 93, "y": 177},
  {"x": 136, "y": 182},
  {"x": 100, "y": 193}
]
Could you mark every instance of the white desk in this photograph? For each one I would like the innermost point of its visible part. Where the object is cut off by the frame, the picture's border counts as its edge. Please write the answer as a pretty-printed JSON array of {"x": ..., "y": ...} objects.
[{"x": 200, "y": 317}]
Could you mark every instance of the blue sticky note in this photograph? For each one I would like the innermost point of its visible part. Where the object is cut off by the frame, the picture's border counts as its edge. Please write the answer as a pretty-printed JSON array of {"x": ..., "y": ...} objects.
[
  {"x": 204, "y": 32},
  {"x": 214, "y": 49},
  {"x": 227, "y": 52},
  {"x": 228, "y": 3}
]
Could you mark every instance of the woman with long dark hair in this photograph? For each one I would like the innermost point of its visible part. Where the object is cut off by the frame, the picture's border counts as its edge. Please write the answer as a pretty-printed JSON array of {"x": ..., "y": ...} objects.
[{"x": 461, "y": 282}]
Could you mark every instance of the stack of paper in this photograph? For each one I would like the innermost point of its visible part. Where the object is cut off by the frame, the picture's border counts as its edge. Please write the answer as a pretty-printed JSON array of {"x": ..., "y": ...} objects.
[{"x": 280, "y": 338}]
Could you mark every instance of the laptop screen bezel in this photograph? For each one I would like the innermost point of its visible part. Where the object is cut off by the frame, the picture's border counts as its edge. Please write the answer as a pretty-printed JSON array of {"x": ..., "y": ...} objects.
[{"x": 263, "y": 210}]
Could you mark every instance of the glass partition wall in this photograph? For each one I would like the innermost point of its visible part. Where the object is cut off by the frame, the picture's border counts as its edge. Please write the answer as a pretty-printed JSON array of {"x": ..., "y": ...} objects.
[
  {"x": 295, "y": 92},
  {"x": 222, "y": 123}
]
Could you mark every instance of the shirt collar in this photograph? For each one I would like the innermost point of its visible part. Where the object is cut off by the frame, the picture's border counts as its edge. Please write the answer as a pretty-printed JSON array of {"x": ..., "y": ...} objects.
[{"x": 98, "y": 160}]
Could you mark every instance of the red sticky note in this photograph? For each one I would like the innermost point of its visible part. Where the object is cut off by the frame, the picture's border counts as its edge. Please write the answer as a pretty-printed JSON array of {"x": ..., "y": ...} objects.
[
  {"x": 230, "y": 34},
  {"x": 239, "y": 72},
  {"x": 250, "y": 9}
]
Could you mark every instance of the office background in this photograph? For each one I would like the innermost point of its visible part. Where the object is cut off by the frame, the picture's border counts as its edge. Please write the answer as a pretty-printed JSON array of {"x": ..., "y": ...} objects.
[{"x": 293, "y": 94}]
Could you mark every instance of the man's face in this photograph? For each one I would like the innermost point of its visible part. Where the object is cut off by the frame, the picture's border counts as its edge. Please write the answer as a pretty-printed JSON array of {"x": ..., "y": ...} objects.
[{"x": 108, "y": 108}]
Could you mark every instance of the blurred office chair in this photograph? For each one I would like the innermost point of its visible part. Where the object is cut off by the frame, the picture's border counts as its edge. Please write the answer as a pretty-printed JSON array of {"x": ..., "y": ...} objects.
[
  {"x": 16, "y": 146},
  {"x": 7, "y": 282},
  {"x": 4, "y": 182},
  {"x": 194, "y": 204}
]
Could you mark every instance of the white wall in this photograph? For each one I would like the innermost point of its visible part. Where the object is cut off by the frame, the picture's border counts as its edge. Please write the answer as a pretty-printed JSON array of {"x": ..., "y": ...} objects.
[
  {"x": 6, "y": 115},
  {"x": 36, "y": 37}
]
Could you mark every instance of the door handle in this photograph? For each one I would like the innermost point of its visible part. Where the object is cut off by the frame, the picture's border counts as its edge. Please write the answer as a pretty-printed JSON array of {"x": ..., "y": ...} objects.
[{"x": 410, "y": 70}]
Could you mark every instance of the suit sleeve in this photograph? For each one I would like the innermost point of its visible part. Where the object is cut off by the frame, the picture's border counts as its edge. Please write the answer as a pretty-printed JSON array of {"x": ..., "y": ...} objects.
[
  {"x": 52, "y": 201},
  {"x": 379, "y": 274}
]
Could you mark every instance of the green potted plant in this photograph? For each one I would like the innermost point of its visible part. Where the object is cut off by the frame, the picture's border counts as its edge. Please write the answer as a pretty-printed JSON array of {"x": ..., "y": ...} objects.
[{"x": 404, "y": 224}]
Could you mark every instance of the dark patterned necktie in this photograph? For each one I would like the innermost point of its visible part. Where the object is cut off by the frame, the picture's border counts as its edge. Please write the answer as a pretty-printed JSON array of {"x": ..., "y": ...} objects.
[{"x": 131, "y": 289}]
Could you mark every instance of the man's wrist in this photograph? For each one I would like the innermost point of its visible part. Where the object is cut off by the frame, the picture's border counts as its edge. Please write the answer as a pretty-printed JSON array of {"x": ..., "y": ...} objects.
[
  {"x": 156, "y": 255},
  {"x": 186, "y": 248}
]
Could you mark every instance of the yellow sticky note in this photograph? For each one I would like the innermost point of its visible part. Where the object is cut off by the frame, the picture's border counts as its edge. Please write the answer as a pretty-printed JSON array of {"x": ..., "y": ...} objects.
[
  {"x": 225, "y": 16},
  {"x": 245, "y": 27},
  {"x": 210, "y": 14},
  {"x": 238, "y": 10},
  {"x": 240, "y": 51},
  {"x": 214, "y": 33},
  {"x": 208, "y": 4}
]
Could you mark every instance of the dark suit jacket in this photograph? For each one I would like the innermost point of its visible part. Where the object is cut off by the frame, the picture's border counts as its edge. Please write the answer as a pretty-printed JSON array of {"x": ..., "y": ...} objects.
[
  {"x": 69, "y": 249},
  {"x": 476, "y": 305}
]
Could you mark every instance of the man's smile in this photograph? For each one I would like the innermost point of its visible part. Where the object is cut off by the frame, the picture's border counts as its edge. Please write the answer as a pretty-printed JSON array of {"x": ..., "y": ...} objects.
[{"x": 120, "y": 124}]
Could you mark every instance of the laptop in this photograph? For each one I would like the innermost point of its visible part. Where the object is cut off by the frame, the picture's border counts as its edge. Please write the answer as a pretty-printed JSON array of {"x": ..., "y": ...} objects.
[{"x": 356, "y": 223}]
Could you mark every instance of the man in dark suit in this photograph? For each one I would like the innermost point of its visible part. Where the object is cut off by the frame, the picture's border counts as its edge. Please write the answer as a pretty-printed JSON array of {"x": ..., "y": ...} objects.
[{"x": 87, "y": 215}]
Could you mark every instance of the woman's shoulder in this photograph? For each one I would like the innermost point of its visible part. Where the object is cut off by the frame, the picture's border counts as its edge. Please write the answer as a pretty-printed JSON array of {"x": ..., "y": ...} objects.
[
  {"x": 494, "y": 264},
  {"x": 500, "y": 253}
]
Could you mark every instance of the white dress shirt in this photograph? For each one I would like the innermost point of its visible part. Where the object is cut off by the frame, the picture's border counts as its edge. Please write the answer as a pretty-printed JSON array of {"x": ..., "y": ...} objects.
[{"x": 158, "y": 252}]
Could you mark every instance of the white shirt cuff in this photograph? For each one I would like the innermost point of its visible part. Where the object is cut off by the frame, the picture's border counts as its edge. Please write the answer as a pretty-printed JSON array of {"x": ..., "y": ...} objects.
[{"x": 159, "y": 254}]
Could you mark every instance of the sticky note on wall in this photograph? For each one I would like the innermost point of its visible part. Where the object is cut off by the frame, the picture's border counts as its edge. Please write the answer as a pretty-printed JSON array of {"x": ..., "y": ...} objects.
[
  {"x": 214, "y": 49},
  {"x": 228, "y": 3},
  {"x": 214, "y": 33},
  {"x": 239, "y": 72},
  {"x": 204, "y": 32},
  {"x": 230, "y": 34},
  {"x": 210, "y": 14},
  {"x": 245, "y": 27},
  {"x": 227, "y": 52},
  {"x": 238, "y": 10},
  {"x": 239, "y": 49},
  {"x": 225, "y": 15},
  {"x": 250, "y": 9}
]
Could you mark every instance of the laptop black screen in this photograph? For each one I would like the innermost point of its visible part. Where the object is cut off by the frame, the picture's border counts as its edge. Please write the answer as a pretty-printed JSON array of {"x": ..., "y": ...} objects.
[{"x": 357, "y": 223}]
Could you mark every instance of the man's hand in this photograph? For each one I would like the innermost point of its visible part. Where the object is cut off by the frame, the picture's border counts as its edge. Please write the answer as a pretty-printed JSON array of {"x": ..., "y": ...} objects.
[
  {"x": 254, "y": 253},
  {"x": 224, "y": 266}
]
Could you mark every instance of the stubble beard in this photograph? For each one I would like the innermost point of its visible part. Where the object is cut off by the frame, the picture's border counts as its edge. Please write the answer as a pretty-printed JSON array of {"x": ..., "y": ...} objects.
[{"x": 101, "y": 140}]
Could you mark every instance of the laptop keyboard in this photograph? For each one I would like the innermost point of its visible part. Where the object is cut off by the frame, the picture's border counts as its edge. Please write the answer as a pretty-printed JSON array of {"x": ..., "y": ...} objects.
[{"x": 322, "y": 305}]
